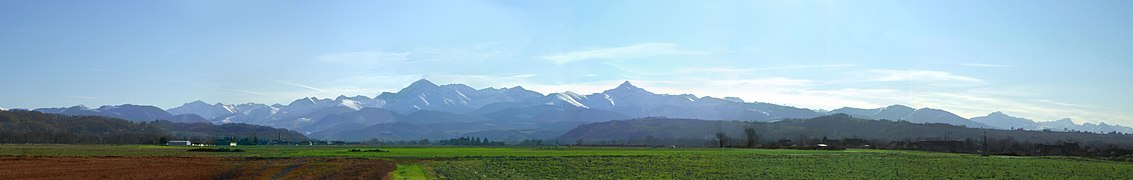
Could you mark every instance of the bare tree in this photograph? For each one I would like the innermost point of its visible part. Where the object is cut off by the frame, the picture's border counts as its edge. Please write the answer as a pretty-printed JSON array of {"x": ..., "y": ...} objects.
[{"x": 721, "y": 138}]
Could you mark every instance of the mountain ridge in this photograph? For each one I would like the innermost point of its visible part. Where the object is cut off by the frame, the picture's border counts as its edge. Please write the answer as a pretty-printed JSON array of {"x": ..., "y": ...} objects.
[{"x": 510, "y": 110}]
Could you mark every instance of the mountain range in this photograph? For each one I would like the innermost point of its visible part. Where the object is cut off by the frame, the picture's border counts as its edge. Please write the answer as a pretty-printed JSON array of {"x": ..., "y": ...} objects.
[
  {"x": 427, "y": 110},
  {"x": 136, "y": 113},
  {"x": 1004, "y": 121}
]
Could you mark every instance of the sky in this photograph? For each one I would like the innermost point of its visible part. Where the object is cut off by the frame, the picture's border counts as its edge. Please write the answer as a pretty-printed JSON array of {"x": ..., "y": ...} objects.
[{"x": 1044, "y": 60}]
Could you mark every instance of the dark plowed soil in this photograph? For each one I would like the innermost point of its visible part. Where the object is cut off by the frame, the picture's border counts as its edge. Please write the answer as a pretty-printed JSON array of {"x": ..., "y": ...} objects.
[{"x": 191, "y": 168}]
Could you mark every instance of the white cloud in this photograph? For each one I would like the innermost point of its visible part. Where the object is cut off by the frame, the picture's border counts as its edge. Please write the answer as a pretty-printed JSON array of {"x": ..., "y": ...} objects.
[
  {"x": 1062, "y": 103},
  {"x": 986, "y": 65},
  {"x": 523, "y": 76},
  {"x": 922, "y": 76},
  {"x": 633, "y": 51}
]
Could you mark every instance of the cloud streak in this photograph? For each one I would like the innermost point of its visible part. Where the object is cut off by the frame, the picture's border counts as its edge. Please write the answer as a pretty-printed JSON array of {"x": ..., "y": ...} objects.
[
  {"x": 642, "y": 50},
  {"x": 922, "y": 76},
  {"x": 986, "y": 65},
  {"x": 769, "y": 68},
  {"x": 300, "y": 85}
]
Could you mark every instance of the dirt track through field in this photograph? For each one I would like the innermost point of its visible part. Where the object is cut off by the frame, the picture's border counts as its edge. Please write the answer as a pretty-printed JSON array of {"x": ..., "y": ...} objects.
[{"x": 191, "y": 168}]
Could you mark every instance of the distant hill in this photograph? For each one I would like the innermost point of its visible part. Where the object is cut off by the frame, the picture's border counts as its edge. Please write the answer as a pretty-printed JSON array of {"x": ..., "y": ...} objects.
[
  {"x": 899, "y": 112},
  {"x": 1003, "y": 121},
  {"x": 209, "y": 131}
]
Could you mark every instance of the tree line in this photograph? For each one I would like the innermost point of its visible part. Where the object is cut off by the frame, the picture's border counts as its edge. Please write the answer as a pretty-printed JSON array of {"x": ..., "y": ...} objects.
[
  {"x": 462, "y": 141},
  {"x": 842, "y": 131}
]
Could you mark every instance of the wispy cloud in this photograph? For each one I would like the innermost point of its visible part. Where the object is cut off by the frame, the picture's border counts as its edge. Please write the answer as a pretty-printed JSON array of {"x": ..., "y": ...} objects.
[
  {"x": 986, "y": 65},
  {"x": 727, "y": 69},
  {"x": 300, "y": 85},
  {"x": 806, "y": 66},
  {"x": 523, "y": 76},
  {"x": 921, "y": 76},
  {"x": 633, "y": 51},
  {"x": 1062, "y": 103},
  {"x": 767, "y": 82},
  {"x": 587, "y": 87}
]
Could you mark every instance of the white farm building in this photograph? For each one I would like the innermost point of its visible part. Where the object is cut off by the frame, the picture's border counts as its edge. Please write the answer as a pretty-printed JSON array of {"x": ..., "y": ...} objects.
[{"x": 179, "y": 143}]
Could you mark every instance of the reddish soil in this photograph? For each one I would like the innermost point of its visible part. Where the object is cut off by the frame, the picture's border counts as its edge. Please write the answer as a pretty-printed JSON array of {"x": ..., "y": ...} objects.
[{"x": 191, "y": 168}]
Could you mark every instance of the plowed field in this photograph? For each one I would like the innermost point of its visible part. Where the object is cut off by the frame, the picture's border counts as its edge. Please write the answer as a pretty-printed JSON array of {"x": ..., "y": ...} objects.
[{"x": 191, "y": 168}]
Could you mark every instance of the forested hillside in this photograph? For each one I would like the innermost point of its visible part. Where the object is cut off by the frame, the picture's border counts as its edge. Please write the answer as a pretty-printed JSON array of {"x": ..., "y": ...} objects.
[{"x": 21, "y": 126}]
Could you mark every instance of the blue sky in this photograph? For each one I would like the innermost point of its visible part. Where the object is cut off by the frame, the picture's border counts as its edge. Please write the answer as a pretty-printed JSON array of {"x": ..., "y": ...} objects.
[{"x": 1043, "y": 60}]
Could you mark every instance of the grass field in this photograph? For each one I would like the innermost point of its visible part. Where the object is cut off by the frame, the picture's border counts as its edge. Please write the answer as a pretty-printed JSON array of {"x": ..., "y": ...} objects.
[{"x": 636, "y": 163}]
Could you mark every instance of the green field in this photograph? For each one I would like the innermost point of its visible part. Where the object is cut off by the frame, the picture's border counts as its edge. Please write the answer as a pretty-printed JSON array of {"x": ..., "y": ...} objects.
[{"x": 649, "y": 163}]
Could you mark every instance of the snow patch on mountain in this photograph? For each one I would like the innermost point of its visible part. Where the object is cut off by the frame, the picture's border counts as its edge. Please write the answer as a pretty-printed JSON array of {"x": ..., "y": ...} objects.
[{"x": 205, "y": 110}]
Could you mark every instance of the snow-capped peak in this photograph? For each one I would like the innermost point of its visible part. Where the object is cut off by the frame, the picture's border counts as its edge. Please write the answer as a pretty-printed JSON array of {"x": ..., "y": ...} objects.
[
  {"x": 304, "y": 101},
  {"x": 627, "y": 88},
  {"x": 350, "y": 104},
  {"x": 897, "y": 107},
  {"x": 1065, "y": 120},
  {"x": 734, "y": 99},
  {"x": 997, "y": 114},
  {"x": 82, "y": 107},
  {"x": 418, "y": 85},
  {"x": 197, "y": 102},
  {"x": 626, "y": 85},
  {"x": 203, "y": 109},
  {"x": 572, "y": 99}
]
